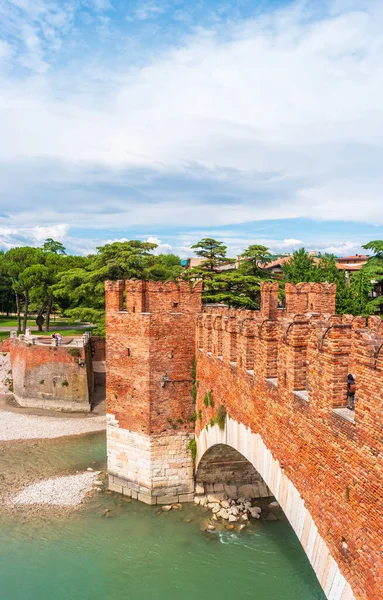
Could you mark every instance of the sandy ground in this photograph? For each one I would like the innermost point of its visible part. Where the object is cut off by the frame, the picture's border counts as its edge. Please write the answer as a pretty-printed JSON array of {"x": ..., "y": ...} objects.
[
  {"x": 59, "y": 491},
  {"x": 15, "y": 426}
]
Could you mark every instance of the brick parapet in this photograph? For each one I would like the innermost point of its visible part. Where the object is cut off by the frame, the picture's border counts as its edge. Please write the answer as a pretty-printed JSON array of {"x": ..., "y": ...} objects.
[{"x": 334, "y": 462}]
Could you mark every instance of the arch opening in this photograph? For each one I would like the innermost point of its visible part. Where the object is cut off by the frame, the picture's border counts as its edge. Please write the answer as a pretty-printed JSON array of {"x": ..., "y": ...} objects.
[
  {"x": 249, "y": 446},
  {"x": 223, "y": 469}
]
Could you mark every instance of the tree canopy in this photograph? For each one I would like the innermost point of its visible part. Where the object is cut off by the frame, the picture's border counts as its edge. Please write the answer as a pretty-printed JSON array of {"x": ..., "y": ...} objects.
[{"x": 47, "y": 279}]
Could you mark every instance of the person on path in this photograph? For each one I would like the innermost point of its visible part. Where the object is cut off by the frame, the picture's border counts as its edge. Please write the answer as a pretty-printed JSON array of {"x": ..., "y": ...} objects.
[{"x": 351, "y": 389}]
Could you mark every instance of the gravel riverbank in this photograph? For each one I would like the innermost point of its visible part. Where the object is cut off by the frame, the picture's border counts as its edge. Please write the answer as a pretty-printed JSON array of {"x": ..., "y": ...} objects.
[
  {"x": 14, "y": 426},
  {"x": 59, "y": 491}
]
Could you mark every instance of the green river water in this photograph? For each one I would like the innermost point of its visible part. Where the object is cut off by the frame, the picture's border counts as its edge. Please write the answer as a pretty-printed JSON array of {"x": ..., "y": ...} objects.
[{"x": 141, "y": 552}]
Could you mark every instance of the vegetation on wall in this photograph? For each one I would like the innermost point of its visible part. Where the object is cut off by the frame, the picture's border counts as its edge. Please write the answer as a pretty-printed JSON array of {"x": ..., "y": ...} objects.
[{"x": 193, "y": 448}]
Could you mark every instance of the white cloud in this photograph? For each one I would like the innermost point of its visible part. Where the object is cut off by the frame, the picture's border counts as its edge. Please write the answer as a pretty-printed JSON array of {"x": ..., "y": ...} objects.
[
  {"x": 282, "y": 112},
  {"x": 148, "y": 10},
  {"x": 31, "y": 236}
]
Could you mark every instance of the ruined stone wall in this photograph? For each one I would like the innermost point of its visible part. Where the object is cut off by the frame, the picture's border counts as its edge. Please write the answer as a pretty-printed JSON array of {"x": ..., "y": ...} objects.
[
  {"x": 149, "y": 353},
  {"x": 283, "y": 376},
  {"x": 50, "y": 377}
]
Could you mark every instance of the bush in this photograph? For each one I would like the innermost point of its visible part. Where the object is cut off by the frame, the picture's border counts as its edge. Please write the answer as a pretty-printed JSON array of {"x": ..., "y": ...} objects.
[
  {"x": 76, "y": 352},
  {"x": 193, "y": 448},
  {"x": 221, "y": 417},
  {"x": 65, "y": 384}
]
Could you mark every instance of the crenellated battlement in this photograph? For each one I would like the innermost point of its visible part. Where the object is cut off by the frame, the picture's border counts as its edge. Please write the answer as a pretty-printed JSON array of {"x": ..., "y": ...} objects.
[
  {"x": 279, "y": 375},
  {"x": 134, "y": 296},
  {"x": 311, "y": 351}
]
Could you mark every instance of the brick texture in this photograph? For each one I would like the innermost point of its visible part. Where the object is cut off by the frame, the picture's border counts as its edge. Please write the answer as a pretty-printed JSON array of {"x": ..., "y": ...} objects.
[
  {"x": 282, "y": 373},
  {"x": 50, "y": 377},
  {"x": 149, "y": 352}
]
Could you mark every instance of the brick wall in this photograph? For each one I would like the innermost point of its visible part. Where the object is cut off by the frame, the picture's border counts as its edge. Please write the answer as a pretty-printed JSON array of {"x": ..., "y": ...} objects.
[
  {"x": 149, "y": 352},
  {"x": 283, "y": 375},
  {"x": 50, "y": 377}
]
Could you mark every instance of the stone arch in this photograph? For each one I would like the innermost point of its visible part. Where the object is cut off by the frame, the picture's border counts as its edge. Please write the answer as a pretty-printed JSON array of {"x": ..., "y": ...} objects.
[
  {"x": 251, "y": 446},
  {"x": 223, "y": 469}
]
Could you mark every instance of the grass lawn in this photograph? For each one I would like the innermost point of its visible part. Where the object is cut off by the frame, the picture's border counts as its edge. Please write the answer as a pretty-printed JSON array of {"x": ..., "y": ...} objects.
[
  {"x": 12, "y": 322},
  {"x": 64, "y": 332},
  {"x": 57, "y": 322}
]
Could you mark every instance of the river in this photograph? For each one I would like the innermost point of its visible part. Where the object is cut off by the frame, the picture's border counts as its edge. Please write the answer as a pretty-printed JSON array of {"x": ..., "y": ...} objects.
[{"x": 136, "y": 551}]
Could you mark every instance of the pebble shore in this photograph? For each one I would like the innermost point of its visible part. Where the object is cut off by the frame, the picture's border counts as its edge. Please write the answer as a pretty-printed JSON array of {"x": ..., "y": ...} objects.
[
  {"x": 14, "y": 426},
  {"x": 59, "y": 491}
]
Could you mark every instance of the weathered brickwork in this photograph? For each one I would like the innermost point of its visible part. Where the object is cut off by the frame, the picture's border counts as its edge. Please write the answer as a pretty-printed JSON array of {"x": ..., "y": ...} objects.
[
  {"x": 150, "y": 351},
  {"x": 282, "y": 374},
  {"x": 51, "y": 377}
]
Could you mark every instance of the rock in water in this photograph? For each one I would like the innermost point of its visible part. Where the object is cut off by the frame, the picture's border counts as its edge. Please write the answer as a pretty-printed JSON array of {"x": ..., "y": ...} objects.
[
  {"x": 242, "y": 527},
  {"x": 166, "y": 507},
  {"x": 273, "y": 504},
  {"x": 225, "y": 504},
  {"x": 233, "y": 510},
  {"x": 223, "y": 514},
  {"x": 216, "y": 497},
  {"x": 197, "y": 500},
  {"x": 271, "y": 517},
  {"x": 210, "y": 527},
  {"x": 233, "y": 519}
]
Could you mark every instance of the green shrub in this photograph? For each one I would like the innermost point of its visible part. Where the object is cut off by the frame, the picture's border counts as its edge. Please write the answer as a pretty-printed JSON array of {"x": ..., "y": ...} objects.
[
  {"x": 193, "y": 448},
  {"x": 211, "y": 399},
  {"x": 76, "y": 352},
  {"x": 212, "y": 422},
  {"x": 42, "y": 382},
  {"x": 193, "y": 417},
  {"x": 200, "y": 415},
  {"x": 206, "y": 400},
  {"x": 221, "y": 417},
  {"x": 65, "y": 384}
]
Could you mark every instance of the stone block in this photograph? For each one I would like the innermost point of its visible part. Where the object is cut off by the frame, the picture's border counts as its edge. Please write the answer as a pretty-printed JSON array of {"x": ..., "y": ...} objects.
[
  {"x": 147, "y": 499},
  {"x": 186, "y": 498},
  {"x": 114, "y": 487},
  {"x": 167, "y": 499},
  {"x": 199, "y": 488}
]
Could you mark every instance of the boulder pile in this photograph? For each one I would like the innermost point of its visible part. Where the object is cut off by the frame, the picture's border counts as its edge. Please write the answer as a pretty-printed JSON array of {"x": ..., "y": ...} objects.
[{"x": 229, "y": 510}]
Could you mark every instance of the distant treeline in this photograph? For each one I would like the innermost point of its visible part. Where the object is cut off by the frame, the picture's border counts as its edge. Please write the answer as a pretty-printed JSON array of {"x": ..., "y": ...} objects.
[{"x": 45, "y": 280}]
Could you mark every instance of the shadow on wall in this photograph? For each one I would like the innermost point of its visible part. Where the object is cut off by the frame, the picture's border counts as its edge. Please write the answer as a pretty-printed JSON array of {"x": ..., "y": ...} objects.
[{"x": 222, "y": 468}]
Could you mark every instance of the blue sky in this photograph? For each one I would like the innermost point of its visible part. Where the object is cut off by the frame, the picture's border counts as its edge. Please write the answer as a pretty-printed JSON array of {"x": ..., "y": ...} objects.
[{"x": 251, "y": 121}]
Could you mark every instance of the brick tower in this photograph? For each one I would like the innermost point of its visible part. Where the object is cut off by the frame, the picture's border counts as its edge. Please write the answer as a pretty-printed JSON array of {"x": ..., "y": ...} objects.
[{"x": 150, "y": 335}]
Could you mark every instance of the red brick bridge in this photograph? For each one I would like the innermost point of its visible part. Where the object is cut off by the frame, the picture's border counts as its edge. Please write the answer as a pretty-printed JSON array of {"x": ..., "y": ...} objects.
[{"x": 266, "y": 402}]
